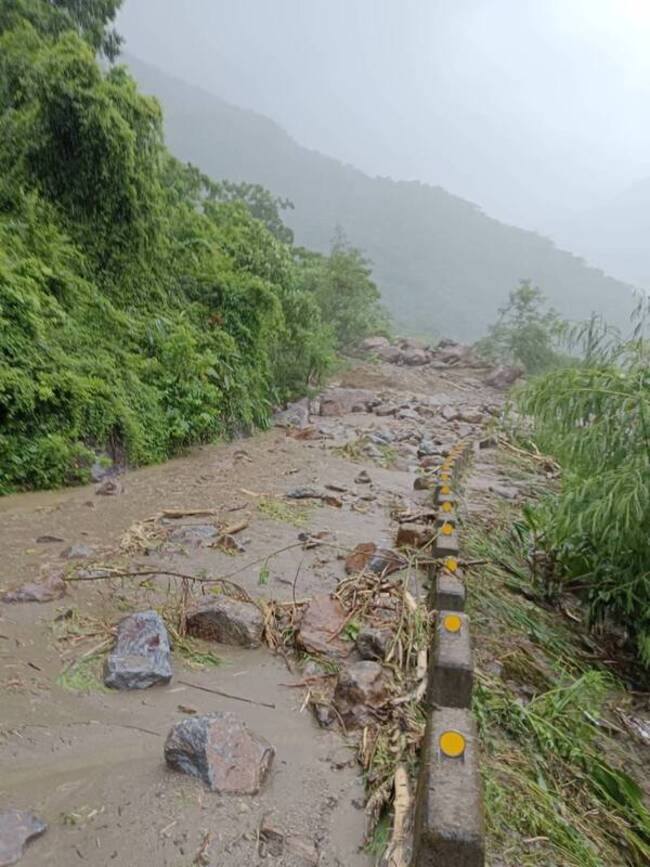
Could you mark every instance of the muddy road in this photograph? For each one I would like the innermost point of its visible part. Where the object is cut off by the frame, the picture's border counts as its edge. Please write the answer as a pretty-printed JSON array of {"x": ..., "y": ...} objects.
[{"x": 89, "y": 761}]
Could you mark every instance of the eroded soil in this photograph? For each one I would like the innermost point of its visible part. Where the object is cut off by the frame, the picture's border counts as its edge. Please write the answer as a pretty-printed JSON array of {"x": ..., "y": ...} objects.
[{"x": 89, "y": 761}]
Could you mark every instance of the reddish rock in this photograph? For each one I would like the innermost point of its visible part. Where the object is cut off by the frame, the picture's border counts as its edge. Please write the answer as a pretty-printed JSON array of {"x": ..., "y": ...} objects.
[
  {"x": 321, "y": 624},
  {"x": 414, "y": 535},
  {"x": 219, "y": 750},
  {"x": 502, "y": 377},
  {"x": 339, "y": 401}
]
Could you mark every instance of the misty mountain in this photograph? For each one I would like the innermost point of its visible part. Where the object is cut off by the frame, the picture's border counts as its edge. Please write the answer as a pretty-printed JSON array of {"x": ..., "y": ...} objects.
[
  {"x": 444, "y": 267},
  {"x": 615, "y": 235}
]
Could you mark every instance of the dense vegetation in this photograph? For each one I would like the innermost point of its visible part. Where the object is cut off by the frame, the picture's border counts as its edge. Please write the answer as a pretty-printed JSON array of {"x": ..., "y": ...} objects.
[
  {"x": 441, "y": 263},
  {"x": 142, "y": 307}
]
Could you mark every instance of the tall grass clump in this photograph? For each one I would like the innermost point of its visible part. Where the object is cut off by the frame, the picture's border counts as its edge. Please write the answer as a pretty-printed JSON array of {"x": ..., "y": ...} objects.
[{"x": 594, "y": 418}]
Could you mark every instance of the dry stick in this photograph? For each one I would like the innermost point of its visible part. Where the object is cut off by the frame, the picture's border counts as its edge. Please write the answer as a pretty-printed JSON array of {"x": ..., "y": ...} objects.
[{"x": 227, "y": 694}]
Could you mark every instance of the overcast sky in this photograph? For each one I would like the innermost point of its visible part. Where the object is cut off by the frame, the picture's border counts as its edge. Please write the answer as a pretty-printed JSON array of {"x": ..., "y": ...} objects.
[{"x": 532, "y": 108}]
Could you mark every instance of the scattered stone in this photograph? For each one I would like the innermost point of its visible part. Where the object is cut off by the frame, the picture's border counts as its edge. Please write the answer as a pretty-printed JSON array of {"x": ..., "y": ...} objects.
[
  {"x": 384, "y": 562},
  {"x": 370, "y": 344},
  {"x": 77, "y": 552},
  {"x": 502, "y": 377},
  {"x": 319, "y": 632},
  {"x": 360, "y": 688},
  {"x": 471, "y": 416},
  {"x": 415, "y": 357},
  {"x": 357, "y": 560},
  {"x": 325, "y": 715},
  {"x": 17, "y": 827},
  {"x": 295, "y": 415},
  {"x": 276, "y": 843},
  {"x": 449, "y": 413},
  {"x": 414, "y": 535},
  {"x": 46, "y": 540},
  {"x": 142, "y": 656},
  {"x": 219, "y": 750},
  {"x": 339, "y": 401},
  {"x": 227, "y": 621},
  {"x": 363, "y": 478},
  {"x": 409, "y": 415},
  {"x": 373, "y": 643},
  {"x": 193, "y": 534},
  {"x": 305, "y": 494},
  {"x": 109, "y": 488},
  {"x": 52, "y": 587},
  {"x": 488, "y": 443},
  {"x": 427, "y": 449},
  {"x": 385, "y": 409}
]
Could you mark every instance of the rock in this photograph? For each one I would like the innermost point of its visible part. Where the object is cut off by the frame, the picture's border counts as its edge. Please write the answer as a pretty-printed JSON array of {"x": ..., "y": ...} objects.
[
  {"x": 219, "y": 750},
  {"x": 471, "y": 416},
  {"x": 412, "y": 343},
  {"x": 360, "y": 687},
  {"x": 409, "y": 414},
  {"x": 193, "y": 534},
  {"x": 77, "y": 552},
  {"x": 449, "y": 413},
  {"x": 453, "y": 353},
  {"x": 339, "y": 401},
  {"x": 390, "y": 354},
  {"x": 295, "y": 415},
  {"x": 325, "y": 715},
  {"x": 357, "y": 559},
  {"x": 319, "y": 630},
  {"x": 502, "y": 377},
  {"x": 385, "y": 409},
  {"x": 320, "y": 627},
  {"x": 373, "y": 643},
  {"x": 370, "y": 344},
  {"x": 52, "y": 587},
  {"x": 305, "y": 494},
  {"x": 415, "y": 357},
  {"x": 142, "y": 656},
  {"x": 363, "y": 478},
  {"x": 227, "y": 621},
  {"x": 384, "y": 562},
  {"x": 414, "y": 535},
  {"x": 276, "y": 843},
  {"x": 17, "y": 827},
  {"x": 47, "y": 540},
  {"x": 427, "y": 449},
  {"x": 109, "y": 488}
]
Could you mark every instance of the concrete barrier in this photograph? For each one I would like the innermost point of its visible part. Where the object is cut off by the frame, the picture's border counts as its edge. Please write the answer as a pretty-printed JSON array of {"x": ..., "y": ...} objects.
[
  {"x": 449, "y": 828},
  {"x": 451, "y": 673},
  {"x": 447, "y": 587}
]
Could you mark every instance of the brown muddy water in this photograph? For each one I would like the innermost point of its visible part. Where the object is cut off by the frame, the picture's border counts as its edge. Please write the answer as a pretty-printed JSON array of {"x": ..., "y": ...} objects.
[{"x": 90, "y": 762}]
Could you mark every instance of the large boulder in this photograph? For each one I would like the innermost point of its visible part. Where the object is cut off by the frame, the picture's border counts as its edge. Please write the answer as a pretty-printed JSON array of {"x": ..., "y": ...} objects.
[
  {"x": 142, "y": 655},
  {"x": 371, "y": 344},
  {"x": 17, "y": 827},
  {"x": 360, "y": 688},
  {"x": 226, "y": 620},
  {"x": 219, "y": 750},
  {"x": 295, "y": 415},
  {"x": 502, "y": 377},
  {"x": 415, "y": 357},
  {"x": 340, "y": 401}
]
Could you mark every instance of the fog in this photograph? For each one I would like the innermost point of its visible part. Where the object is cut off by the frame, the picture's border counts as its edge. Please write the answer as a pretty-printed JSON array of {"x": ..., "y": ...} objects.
[{"x": 530, "y": 109}]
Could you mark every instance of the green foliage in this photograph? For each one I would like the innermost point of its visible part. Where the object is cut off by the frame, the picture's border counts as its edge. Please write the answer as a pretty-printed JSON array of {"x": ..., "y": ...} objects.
[
  {"x": 524, "y": 334},
  {"x": 142, "y": 306},
  {"x": 595, "y": 419}
]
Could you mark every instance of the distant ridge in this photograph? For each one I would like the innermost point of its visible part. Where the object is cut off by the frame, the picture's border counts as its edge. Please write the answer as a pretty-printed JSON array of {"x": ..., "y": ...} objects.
[{"x": 444, "y": 266}]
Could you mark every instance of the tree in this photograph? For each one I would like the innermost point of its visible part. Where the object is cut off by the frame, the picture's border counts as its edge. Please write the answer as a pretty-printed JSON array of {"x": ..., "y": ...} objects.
[{"x": 525, "y": 333}]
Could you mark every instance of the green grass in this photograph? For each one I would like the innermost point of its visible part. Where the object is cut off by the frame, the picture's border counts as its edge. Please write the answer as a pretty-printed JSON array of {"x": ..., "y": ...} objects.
[
  {"x": 196, "y": 654},
  {"x": 277, "y": 510},
  {"x": 84, "y": 676},
  {"x": 557, "y": 787}
]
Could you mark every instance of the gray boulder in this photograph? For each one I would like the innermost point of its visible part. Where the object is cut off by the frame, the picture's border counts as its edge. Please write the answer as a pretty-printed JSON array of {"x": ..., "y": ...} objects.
[
  {"x": 226, "y": 620},
  {"x": 142, "y": 655},
  {"x": 219, "y": 750},
  {"x": 295, "y": 415},
  {"x": 17, "y": 827},
  {"x": 502, "y": 377}
]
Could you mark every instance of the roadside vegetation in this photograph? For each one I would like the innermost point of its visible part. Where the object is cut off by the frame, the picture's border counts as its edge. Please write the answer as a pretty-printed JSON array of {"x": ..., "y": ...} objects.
[
  {"x": 143, "y": 307},
  {"x": 560, "y": 762}
]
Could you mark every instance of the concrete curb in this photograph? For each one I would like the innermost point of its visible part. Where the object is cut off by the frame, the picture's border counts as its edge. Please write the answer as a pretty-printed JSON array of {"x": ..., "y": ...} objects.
[{"x": 449, "y": 826}]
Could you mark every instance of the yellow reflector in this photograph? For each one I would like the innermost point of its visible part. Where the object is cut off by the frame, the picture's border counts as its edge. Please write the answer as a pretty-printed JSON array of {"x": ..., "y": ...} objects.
[
  {"x": 451, "y": 563},
  {"x": 444, "y": 477},
  {"x": 452, "y": 623},
  {"x": 445, "y": 489},
  {"x": 452, "y": 744},
  {"x": 447, "y": 507},
  {"x": 447, "y": 529}
]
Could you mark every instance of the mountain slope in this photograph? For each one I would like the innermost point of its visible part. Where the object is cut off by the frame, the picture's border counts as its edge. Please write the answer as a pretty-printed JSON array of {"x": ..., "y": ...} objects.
[{"x": 442, "y": 264}]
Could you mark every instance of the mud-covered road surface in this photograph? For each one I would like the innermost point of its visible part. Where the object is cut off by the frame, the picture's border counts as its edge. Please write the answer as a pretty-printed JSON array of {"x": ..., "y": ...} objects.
[{"x": 89, "y": 761}]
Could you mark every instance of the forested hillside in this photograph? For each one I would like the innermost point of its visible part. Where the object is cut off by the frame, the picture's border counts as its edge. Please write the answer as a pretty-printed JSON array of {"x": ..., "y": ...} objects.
[
  {"x": 142, "y": 307},
  {"x": 442, "y": 264}
]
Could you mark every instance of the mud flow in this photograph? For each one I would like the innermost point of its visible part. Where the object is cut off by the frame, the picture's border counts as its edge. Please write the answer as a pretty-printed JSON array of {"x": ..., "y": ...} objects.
[{"x": 89, "y": 761}]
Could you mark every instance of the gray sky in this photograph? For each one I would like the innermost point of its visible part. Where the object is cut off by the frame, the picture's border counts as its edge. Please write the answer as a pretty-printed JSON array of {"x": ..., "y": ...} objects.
[{"x": 532, "y": 108}]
